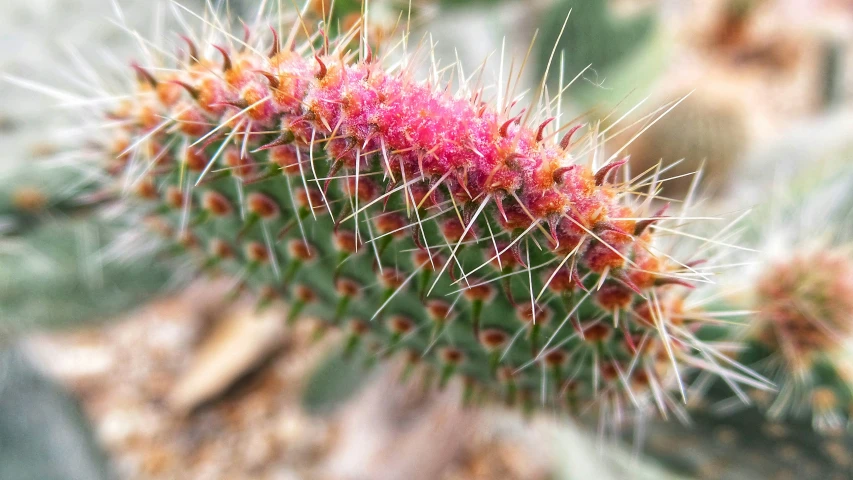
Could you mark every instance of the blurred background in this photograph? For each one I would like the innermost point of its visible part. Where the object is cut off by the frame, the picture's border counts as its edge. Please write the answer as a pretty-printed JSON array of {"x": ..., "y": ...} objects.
[{"x": 108, "y": 370}]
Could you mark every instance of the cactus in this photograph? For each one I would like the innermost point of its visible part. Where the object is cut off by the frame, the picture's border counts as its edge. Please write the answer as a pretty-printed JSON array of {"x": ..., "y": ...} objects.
[
  {"x": 334, "y": 382},
  {"x": 465, "y": 233},
  {"x": 44, "y": 433},
  {"x": 30, "y": 196},
  {"x": 745, "y": 444},
  {"x": 796, "y": 319},
  {"x": 61, "y": 274},
  {"x": 55, "y": 248},
  {"x": 616, "y": 56},
  {"x": 803, "y": 315},
  {"x": 800, "y": 299},
  {"x": 705, "y": 132}
]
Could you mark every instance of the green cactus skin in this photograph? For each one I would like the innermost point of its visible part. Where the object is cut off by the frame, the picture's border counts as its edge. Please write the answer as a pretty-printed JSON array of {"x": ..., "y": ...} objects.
[
  {"x": 44, "y": 433},
  {"x": 597, "y": 42},
  {"x": 58, "y": 275},
  {"x": 747, "y": 445},
  {"x": 30, "y": 195}
]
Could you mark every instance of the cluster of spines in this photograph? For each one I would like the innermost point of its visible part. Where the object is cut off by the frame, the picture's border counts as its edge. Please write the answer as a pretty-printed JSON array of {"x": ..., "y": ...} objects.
[
  {"x": 803, "y": 319},
  {"x": 457, "y": 233},
  {"x": 797, "y": 332}
]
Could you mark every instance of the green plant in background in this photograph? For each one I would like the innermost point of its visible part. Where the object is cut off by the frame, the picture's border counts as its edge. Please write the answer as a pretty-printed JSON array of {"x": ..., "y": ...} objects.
[
  {"x": 56, "y": 266},
  {"x": 56, "y": 269},
  {"x": 746, "y": 444},
  {"x": 43, "y": 433},
  {"x": 60, "y": 274},
  {"x": 797, "y": 337},
  {"x": 796, "y": 333},
  {"x": 32, "y": 195},
  {"x": 617, "y": 56},
  {"x": 704, "y": 133},
  {"x": 803, "y": 319}
]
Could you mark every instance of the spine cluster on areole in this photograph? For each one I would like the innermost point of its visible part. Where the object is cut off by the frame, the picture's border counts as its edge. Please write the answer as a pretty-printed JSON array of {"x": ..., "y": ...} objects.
[
  {"x": 418, "y": 136},
  {"x": 804, "y": 313}
]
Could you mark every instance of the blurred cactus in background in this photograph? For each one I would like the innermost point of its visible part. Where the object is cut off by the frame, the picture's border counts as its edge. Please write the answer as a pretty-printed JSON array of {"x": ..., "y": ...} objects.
[
  {"x": 706, "y": 134},
  {"x": 804, "y": 317},
  {"x": 794, "y": 329},
  {"x": 61, "y": 261},
  {"x": 798, "y": 336},
  {"x": 62, "y": 274},
  {"x": 43, "y": 432},
  {"x": 614, "y": 55},
  {"x": 34, "y": 195},
  {"x": 56, "y": 266}
]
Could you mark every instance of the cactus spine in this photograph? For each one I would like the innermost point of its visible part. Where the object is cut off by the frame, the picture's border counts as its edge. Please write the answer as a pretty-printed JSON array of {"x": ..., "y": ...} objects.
[{"x": 795, "y": 325}]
